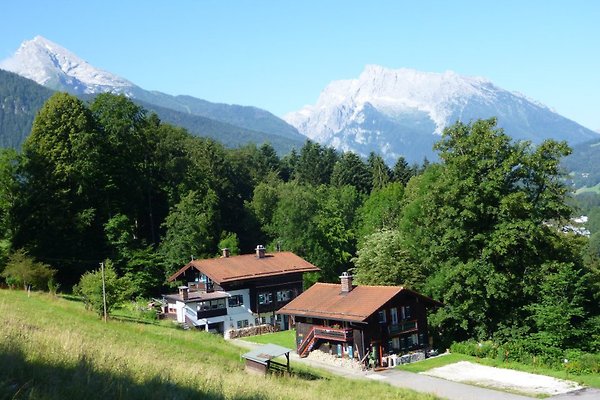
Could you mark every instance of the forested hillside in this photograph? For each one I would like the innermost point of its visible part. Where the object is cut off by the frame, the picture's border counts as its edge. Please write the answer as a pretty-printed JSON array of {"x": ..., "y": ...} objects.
[
  {"x": 21, "y": 98},
  {"x": 479, "y": 231},
  {"x": 584, "y": 164},
  {"x": 20, "y": 101}
]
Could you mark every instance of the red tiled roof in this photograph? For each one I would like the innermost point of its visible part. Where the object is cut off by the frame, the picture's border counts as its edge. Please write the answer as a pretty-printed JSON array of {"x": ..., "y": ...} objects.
[
  {"x": 326, "y": 300},
  {"x": 248, "y": 266}
]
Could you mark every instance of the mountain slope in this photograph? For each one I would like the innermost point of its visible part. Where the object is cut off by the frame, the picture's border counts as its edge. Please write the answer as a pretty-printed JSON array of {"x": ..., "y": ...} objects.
[
  {"x": 55, "y": 67},
  {"x": 403, "y": 112},
  {"x": 20, "y": 99},
  {"x": 584, "y": 163},
  {"x": 228, "y": 134}
]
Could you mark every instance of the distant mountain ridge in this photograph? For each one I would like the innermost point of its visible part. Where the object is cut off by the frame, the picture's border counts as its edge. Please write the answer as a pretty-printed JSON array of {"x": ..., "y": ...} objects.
[
  {"x": 402, "y": 112},
  {"x": 55, "y": 67},
  {"x": 21, "y": 98}
]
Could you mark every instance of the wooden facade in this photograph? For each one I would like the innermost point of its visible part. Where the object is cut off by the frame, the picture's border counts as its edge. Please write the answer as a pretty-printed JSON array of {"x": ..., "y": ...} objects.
[{"x": 396, "y": 324}]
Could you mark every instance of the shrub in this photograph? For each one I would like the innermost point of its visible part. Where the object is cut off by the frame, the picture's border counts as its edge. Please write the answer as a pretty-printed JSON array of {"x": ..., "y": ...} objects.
[
  {"x": 90, "y": 289},
  {"x": 23, "y": 270},
  {"x": 525, "y": 351}
]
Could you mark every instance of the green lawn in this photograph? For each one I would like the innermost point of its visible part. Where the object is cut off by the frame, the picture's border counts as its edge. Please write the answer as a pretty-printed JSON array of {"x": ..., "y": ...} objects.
[
  {"x": 57, "y": 350},
  {"x": 592, "y": 380},
  {"x": 283, "y": 338}
]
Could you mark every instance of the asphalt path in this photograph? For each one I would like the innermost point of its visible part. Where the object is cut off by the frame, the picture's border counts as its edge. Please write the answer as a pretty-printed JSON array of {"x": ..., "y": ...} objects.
[{"x": 429, "y": 384}]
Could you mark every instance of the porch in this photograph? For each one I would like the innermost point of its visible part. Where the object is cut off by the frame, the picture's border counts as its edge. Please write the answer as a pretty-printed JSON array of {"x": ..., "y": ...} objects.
[{"x": 316, "y": 332}]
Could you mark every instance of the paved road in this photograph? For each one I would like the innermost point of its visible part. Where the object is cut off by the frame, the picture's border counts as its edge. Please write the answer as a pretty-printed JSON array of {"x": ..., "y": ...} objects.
[{"x": 429, "y": 384}]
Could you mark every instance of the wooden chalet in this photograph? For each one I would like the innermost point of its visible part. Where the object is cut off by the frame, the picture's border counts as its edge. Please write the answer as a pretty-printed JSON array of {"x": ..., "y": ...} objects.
[
  {"x": 236, "y": 292},
  {"x": 368, "y": 323}
]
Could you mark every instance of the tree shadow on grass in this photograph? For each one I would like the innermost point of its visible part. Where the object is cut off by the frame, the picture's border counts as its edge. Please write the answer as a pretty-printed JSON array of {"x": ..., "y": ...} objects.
[
  {"x": 24, "y": 379},
  {"x": 70, "y": 297}
]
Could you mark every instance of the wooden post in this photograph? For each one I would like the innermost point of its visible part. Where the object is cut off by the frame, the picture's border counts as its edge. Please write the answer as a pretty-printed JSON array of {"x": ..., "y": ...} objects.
[
  {"x": 287, "y": 355},
  {"x": 103, "y": 292}
]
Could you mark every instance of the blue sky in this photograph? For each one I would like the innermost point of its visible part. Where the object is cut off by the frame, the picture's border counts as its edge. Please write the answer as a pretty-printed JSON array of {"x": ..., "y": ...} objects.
[{"x": 279, "y": 55}]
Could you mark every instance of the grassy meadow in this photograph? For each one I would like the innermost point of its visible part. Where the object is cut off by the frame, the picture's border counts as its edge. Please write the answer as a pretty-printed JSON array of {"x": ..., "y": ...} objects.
[{"x": 51, "y": 348}]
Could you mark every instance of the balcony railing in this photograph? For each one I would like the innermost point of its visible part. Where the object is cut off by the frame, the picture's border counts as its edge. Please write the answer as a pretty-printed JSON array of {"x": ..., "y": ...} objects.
[
  {"x": 403, "y": 326},
  {"x": 337, "y": 334},
  {"x": 215, "y": 312}
]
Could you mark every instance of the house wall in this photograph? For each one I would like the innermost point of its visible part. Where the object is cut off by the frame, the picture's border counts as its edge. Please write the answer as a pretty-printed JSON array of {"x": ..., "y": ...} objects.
[
  {"x": 236, "y": 317},
  {"x": 251, "y": 312},
  {"x": 270, "y": 286},
  {"x": 372, "y": 332},
  {"x": 179, "y": 310}
]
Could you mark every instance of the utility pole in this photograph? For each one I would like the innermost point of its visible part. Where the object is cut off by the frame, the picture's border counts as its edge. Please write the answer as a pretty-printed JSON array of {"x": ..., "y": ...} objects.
[{"x": 103, "y": 291}]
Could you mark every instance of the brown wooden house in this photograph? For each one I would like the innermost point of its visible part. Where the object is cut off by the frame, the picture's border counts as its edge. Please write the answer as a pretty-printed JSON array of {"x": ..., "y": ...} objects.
[{"x": 358, "y": 321}]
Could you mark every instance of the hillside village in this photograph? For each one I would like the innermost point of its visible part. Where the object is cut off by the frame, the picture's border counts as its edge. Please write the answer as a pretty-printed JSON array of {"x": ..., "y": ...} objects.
[
  {"x": 467, "y": 250},
  {"x": 408, "y": 234}
]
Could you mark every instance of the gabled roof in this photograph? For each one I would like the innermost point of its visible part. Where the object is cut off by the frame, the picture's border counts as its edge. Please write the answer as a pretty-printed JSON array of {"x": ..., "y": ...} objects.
[
  {"x": 326, "y": 300},
  {"x": 248, "y": 266}
]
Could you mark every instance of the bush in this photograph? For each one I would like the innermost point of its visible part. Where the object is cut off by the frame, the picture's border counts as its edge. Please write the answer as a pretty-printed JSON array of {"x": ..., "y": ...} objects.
[
  {"x": 485, "y": 349},
  {"x": 22, "y": 270},
  {"x": 527, "y": 352},
  {"x": 90, "y": 289}
]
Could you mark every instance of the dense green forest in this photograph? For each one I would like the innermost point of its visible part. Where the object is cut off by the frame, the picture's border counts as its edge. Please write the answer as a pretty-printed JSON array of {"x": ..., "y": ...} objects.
[{"x": 479, "y": 231}]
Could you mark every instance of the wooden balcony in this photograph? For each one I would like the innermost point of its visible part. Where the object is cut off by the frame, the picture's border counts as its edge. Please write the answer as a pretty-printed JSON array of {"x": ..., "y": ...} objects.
[
  {"x": 336, "y": 334},
  {"x": 402, "y": 327}
]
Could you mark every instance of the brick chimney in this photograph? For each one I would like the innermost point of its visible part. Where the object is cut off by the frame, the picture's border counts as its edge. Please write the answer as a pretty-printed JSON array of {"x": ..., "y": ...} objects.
[
  {"x": 225, "y": 252},
  {"x": 183, "y": 292},
  {"x": 346, "y": 280},
  {"x": 260, "y": 251}
]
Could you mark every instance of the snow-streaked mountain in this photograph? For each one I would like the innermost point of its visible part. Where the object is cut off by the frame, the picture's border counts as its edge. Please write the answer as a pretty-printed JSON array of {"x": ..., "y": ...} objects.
[
  {"x": 403, "y": 112},
  {"x": 55, "y": 67}
]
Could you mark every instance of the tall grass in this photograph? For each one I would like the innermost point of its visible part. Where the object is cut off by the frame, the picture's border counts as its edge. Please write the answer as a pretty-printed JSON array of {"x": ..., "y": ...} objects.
[{"x": 51, "y": 348}]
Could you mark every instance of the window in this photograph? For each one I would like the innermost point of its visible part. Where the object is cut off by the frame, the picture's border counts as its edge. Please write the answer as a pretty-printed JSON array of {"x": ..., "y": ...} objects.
[
  {"x": 396, "y": 343},
  {"x": 284, "y": 295},
  {"x": 412, "y": 340},
  {"x": 236, "y": 300},
  {"x": 211, "y": 305},
  {"x": 242, "y": 324},
  {"x": 394, "y": 314},
  {"x": 265, "y": 298},
  {"x": 381, "y": 316},
  {"x": 406, "y": 313}
]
